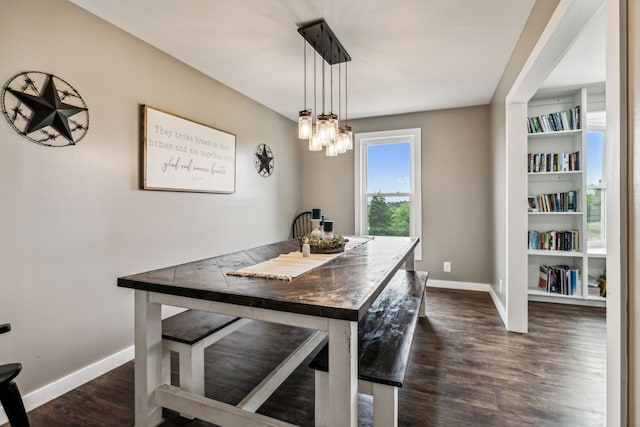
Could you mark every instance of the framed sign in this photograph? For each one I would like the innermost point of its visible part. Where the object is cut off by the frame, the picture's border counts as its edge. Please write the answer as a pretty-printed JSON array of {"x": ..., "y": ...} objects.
[{"x": 182, "y": 155}]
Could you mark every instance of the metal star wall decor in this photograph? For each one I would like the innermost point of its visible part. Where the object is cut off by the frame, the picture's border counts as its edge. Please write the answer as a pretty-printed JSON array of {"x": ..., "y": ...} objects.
[
  {"x": 264, "y": 160},
  {"x": 45, "y": 109}
]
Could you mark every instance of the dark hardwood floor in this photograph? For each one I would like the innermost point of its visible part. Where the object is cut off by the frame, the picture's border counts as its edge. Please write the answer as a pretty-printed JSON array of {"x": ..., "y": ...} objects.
[{"x": 465, "y": 369}]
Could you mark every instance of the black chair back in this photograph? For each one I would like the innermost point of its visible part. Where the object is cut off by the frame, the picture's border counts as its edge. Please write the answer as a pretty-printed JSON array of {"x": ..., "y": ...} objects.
[{"x": 301, "y": 225}]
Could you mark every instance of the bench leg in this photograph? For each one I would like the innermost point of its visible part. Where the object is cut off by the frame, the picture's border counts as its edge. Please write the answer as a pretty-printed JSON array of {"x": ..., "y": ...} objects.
[
  {"x": 192, "y": 369},
  {"x": 385, "y": 405},
  {"x": 166, "y": 366},
  {"x": 191, "y": 366},
  {"x": 322, "y": 399}
]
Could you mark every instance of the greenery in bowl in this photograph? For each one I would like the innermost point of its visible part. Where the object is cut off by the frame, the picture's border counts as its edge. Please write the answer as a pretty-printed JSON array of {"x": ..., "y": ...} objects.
[{"x": 324, "y": 246}]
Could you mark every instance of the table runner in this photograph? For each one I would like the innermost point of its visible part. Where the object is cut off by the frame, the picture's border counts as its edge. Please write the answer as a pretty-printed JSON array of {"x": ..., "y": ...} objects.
[{"x": 291, "y": 265}]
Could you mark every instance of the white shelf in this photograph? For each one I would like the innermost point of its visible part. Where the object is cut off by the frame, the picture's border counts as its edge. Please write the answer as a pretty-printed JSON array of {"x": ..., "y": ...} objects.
[
  {"x": 571, "y": 254},
  {"x": 556, "y": 173},
  {"x": 542, "y": 135},
  {"x": 533, "y": 291},
  {"x": 555, "y": 213},
  {"x": 543, "y": 296},
  {"x": 568, "y": 141}
]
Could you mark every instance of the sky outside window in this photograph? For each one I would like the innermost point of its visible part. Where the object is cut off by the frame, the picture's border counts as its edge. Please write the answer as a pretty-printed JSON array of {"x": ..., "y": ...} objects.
[
  {"x": 389, "y": 168},
  {"x": 595, "y": 141}
]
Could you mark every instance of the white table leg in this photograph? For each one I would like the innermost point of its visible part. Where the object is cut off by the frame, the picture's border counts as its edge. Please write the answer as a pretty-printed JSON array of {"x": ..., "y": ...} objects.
[
  {"x": 385, "y": 405},
  {"x": 409, "y": 264},
  {"x": 148, "y": 360},
  {"x": 343, "y": 373}
]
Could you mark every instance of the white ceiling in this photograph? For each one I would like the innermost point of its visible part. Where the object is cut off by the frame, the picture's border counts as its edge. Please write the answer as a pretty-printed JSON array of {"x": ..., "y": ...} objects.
[
  {"x": 407, "y": 55},
  {"x": 584, "y": 63}
]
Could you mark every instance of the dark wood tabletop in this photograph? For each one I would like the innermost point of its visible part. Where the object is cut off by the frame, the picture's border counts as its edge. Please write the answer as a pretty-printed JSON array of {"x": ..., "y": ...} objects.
[{"x": 343, "y": 288}]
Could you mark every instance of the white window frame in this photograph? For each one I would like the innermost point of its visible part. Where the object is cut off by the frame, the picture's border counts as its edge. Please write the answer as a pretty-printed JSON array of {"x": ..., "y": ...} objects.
[{"x": 362, "y": 141}]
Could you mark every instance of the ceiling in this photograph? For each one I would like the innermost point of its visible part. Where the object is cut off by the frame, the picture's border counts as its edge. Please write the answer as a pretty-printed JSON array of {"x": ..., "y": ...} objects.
[
  {"x": 584, "y": 63},
  {"x": 407, "y": 55}
]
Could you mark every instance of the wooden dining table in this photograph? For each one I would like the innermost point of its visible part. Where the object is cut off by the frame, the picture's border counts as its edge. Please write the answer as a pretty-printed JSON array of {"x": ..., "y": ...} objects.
[{"x": 331, "y": 298}]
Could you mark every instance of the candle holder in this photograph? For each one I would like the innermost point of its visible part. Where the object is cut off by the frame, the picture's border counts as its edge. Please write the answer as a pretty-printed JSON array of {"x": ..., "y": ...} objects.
[
  {"x": 315, "y": 232},
  {"x": 327, "y": 230}
]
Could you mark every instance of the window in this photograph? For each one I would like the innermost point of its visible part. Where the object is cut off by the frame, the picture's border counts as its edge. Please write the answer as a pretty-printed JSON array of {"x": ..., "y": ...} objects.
[
  {"x": 596, "y": 185},
  {"x": 388, "y": 184}
]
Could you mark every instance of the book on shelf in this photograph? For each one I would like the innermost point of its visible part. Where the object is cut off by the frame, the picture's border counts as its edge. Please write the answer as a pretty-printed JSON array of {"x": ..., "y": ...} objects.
[
  {"x": 554, "y": 202},
  {"x": 544, "y": 275},
  {"x": 560, "y": 279},
  {"x": 555, "y": 122},
  {"x": 568, "y": 240},
  {"x": 553, "y": 162}
]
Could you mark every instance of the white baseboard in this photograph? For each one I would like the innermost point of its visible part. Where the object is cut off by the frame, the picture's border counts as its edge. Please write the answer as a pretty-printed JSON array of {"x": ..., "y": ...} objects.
[
  {"x": 498, "y": 304},
  {"x": 465, "y": 286},
  {"x": 75, "y": 379}
]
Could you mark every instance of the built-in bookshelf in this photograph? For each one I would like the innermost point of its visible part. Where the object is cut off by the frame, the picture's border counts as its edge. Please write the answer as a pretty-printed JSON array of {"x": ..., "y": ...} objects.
[{"x": 558, "y": 262}]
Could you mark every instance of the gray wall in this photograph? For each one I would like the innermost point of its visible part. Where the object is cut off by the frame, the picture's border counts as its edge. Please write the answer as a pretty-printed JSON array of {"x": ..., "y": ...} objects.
[
  {"x": 74, "y": 219},
  {"x": 456, "y": 183}
]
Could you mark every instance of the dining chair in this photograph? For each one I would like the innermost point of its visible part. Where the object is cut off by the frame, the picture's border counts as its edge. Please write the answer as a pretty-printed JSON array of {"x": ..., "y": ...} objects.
[
  {"x": 301, "y": 225},
  {"x": 9, "y": 393}
]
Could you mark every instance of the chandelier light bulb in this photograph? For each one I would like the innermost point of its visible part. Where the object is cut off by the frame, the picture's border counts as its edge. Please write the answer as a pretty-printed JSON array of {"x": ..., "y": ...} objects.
[
  {"x": 348, "y": 137},
  {"x": 314, "y": 142},
  {"x": 333, "y": 128},
  {"x": 331, "y": 150},
  {"x": 304, "y": 124},
  {"x": 323, "y": 129},
  {"x": 341, "y": 142}
]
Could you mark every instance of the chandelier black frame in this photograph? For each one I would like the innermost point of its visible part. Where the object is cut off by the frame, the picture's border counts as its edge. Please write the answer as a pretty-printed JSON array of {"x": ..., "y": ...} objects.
[{"x": 326, "y": 130}]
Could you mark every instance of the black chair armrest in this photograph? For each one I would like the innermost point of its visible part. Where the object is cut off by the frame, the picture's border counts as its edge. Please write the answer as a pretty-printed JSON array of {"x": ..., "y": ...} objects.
[{"x": 5, "y": 328}]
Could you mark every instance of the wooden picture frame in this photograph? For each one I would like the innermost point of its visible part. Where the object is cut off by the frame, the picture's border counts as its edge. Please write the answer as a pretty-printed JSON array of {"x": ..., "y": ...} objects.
[{"x": 183, "y": 155}]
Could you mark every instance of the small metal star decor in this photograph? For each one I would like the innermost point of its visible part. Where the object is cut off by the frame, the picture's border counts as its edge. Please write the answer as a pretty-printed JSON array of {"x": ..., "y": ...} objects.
[
  {"x": 264, "y": 160},
  {"x": 45, "y": 109}
]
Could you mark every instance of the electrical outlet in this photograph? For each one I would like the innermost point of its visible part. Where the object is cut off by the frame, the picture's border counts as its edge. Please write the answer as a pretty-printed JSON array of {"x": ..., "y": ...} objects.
[{"x": 447, "y": 267}]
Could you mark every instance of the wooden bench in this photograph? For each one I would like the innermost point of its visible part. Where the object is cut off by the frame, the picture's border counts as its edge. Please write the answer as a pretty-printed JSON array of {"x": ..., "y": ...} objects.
[
  {"x": 384, "y": 342},
  {"x": 188, "y": 333}
]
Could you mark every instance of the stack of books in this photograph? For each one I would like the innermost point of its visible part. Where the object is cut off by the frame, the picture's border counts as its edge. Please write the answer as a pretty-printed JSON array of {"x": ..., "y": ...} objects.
[
  {"x": 555, "y": 122},
  {"x": 560, "y": 279},
  {"x": 554, "y": 202},
  {"x": 568, "y": 240},
  {"x": 553, "y": 162}
]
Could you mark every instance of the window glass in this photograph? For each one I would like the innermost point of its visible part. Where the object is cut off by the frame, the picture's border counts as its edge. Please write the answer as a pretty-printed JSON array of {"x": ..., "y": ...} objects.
[
  {"x": 595, "y": 178},
  {"x": 388, "y": 184},
  {"x": 595, "y": 217},
  {"x": 388, "y": 216},
  {"x": 595, "y": 149},
  {"x": 389, "y": 168},
  {"x": 388, "y": 172}
]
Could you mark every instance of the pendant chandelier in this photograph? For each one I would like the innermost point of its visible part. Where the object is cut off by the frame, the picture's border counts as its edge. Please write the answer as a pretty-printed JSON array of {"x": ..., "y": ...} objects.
[{"x": 328, "y": 130}]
